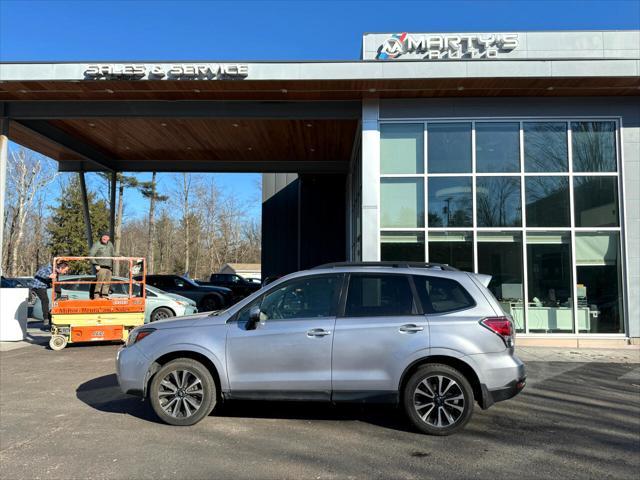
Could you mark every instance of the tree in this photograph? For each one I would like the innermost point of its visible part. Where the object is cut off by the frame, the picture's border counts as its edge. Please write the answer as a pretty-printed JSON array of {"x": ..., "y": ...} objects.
[
  {"x": 123, "y": 181},
  {"x": 66, "y": 226},
  {"x": 28, "y": 175},
  {"x": 149, "y": 190}
]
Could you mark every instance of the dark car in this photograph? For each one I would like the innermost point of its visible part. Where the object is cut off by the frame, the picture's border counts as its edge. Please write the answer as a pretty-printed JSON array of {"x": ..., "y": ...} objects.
[
  {"x": 207, "y": 297},
  {"x": 240, "y": 287}
]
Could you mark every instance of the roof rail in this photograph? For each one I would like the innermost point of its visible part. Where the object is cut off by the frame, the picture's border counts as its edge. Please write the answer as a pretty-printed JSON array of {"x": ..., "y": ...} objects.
[{"x": 441, "y": 266}]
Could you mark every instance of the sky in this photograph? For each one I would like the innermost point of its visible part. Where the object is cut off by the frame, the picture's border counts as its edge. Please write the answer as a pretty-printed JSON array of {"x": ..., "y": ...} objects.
[{"x": 110, "y": 30}]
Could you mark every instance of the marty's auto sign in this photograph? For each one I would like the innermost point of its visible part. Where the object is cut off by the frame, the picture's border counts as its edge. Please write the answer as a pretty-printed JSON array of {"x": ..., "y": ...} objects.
[{"x": 447, "y": 46}]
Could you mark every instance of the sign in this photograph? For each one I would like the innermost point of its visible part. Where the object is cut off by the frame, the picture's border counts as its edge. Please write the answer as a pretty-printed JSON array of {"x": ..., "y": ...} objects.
[
  {"x": 189, "y": 71},
  {"x": 447, "y": 46}
]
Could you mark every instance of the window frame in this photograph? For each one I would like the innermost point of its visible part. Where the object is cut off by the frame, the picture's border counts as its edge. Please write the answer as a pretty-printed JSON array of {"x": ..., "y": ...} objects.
[
  {"x": 572, "y": 229},
  {"x": 417, "y": 309}
]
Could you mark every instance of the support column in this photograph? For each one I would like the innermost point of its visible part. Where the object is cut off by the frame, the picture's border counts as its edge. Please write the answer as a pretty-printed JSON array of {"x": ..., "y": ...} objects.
[
  {"x": 4, "y": 152},
  {"x": 370, "y": 181},
  {"x": 85, "y": 210},
  {"x": 112, "y": 206}
]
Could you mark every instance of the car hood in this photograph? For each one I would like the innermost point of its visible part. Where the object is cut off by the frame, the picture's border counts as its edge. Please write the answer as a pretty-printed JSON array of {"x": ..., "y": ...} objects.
[{"x": 189, "y": 320}]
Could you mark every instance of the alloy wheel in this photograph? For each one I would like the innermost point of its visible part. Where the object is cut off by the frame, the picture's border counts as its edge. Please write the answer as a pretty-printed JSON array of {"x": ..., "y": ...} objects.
[
  {"x": 439, "y": 401},
  {"x": 181, "y": 393}
]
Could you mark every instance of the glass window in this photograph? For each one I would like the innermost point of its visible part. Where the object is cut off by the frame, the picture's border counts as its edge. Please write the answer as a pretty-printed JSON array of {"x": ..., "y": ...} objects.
[
  {"x": 442, "y": 295},
  {"x": 372, "y": 295},
  {"x": 545, "y": 147},
  {"x": 450, "y": 203},
  {"x": 401, "y": 202},
  {"x": 498, "y": 202},
  {"x": 311, "y": 297},
  {"x": 593, "y": 146},
  {"x": 500, "y": 255},
  {"x": 547, "y": 201},
  {"x": 595, "y": 201},
  {"x": 449, "y": 148},
  {"x": 599, "y": 285},
  {"x": 403, "y": 246},
  {"x": 550, "y": 308},
  {"x": 402, "y": 148},
  {"x": 452, "y": 248},
  {"x": 497, "y": 147}
]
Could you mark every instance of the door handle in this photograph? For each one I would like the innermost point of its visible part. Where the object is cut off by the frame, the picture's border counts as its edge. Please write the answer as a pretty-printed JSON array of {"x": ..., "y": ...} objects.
[
  {"x": 410, "y": 328},
  {"x": 318, "y": 332}
]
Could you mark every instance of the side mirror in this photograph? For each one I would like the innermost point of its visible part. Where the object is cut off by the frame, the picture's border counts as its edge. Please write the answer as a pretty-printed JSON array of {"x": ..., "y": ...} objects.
[{"x": 254, "y": 317}]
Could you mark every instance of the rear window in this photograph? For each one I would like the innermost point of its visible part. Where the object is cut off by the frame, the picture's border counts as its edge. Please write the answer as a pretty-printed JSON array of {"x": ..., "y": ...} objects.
[
  {"x": 372, "y": 295},
  {"x": 442, "y": 295}
]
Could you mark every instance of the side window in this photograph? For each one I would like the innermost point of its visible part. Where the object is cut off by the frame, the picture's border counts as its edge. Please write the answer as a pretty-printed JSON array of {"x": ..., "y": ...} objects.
[
  {"x": 441, "y": 295},
  {"x": 180, "y": 283},
  {"x": 311, "y": 297},
  {"x": 376, "y": 295}
]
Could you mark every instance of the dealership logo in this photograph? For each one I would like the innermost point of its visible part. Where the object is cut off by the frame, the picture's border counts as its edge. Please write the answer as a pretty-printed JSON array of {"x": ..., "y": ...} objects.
[{"x": 449, "y": 46}]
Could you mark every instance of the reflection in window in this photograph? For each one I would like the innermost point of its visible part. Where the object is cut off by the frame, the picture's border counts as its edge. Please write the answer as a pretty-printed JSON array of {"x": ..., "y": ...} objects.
[
  {"x": 547, "y": 201},
  {"x": 401, "y": 202},
  {"x": 402, "y": 246},
  {"x": 595, "y": 201},
  {"x": 550, "y": 307},
  {"x": 449, "y": 148},
  {"x": 442, "y": 295},
  {"x": 498, "y": 202},
  {"x": 311, "y": 297},
  {"x": 599, "y": 282},
  {"x": 379, "y": 295},
  {"x": 498, "y": 147},
  {"x": 500, "y": 255},
  {"x": 545, "y": 147},
  {"x": 402, "y": 148},
  {"x": 452, "y": 248},
  {"x": 593, "y": 146},
  {"x": 450, "y": 203}
]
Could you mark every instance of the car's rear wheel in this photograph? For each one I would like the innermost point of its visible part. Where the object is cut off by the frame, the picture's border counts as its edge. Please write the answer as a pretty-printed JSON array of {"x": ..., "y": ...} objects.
[
  {"x": 438, "y": 399},
  {"x": 209, "y": 304},
  {"x": 161, "y": 313},
  {"x": 182, "y": 392}
]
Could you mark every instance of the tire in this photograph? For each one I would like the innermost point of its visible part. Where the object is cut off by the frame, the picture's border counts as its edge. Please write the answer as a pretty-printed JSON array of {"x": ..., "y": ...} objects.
[
  {"x": 210, "y": 303},
  {"x": 430, "y": 411},
  {"x": 182, "y": 408},
  {"x": 57, "y": 342},
  {"x": 161, "y": 313}
]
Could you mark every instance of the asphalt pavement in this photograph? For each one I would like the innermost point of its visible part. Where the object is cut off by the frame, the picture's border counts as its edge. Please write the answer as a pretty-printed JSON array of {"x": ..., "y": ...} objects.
[{"x": 63, "y": 416}]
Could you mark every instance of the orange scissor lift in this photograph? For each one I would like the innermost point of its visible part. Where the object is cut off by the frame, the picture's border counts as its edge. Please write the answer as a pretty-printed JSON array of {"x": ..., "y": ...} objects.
[{"x": 100, "y": 319}]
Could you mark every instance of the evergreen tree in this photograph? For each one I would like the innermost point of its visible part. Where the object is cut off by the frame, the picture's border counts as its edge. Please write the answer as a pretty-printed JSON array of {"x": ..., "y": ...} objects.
[{"x": 66, "y": 226}]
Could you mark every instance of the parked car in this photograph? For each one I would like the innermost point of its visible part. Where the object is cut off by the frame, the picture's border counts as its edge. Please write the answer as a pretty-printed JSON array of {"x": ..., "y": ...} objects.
[
  {"x": 240, "y": 287},
  {"x": 159, "y": 305},
  {"x": 208, "y": 298},
  {"x": 430, "y": 338}
]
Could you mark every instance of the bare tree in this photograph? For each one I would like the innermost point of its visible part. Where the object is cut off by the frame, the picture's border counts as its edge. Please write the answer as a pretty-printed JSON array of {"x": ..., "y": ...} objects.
[
  {"x": 149, "y": 190},
  {"x": 28, "y": 175}
]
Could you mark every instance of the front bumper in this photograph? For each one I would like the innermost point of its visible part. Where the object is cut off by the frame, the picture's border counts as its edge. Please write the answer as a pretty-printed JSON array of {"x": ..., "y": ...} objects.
[{"x": 132, "y": 368}]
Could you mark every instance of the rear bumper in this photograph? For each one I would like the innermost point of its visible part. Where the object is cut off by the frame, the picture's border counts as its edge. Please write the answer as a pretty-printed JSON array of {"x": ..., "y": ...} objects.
[{"x": 489, "y": 397}]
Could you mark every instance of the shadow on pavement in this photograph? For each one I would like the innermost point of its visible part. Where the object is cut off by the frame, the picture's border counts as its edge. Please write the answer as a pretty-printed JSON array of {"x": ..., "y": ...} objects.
[{"x": 103, "y": 394}]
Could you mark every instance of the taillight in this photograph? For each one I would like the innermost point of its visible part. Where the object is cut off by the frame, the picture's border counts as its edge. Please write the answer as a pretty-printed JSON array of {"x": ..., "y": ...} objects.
[{"x": 502, "y": 327}]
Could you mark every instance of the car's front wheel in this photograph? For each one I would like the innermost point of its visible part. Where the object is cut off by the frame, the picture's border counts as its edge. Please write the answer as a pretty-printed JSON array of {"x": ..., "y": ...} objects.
[
  {"x": 438, "y": 399},
  {"x": 182, "y": 392},
  {"x": 161, "y": 313}
]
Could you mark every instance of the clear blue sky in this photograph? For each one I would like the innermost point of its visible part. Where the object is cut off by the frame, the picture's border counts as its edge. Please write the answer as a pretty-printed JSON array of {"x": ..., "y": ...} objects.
[{"x": 261, "y": 30}]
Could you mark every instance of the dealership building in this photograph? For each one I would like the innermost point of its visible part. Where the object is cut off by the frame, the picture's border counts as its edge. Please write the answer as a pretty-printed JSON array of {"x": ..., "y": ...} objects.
[{"x": 515, "y": 154}]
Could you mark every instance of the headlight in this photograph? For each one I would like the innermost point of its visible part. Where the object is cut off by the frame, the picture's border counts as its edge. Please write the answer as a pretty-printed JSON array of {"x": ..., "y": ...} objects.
[
  {"x": 180, "y": 302},
  {"x": 136, "y": 335}
]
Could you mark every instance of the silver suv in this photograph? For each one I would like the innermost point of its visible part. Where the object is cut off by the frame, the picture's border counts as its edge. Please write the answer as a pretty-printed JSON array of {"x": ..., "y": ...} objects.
[{"x": 426, "y": 336}]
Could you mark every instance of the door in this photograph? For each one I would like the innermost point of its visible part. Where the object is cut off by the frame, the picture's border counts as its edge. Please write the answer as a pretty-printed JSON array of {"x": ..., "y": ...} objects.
[
  {"x": 288, "y": 353},
  {"x": 381, "y": 328}
]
